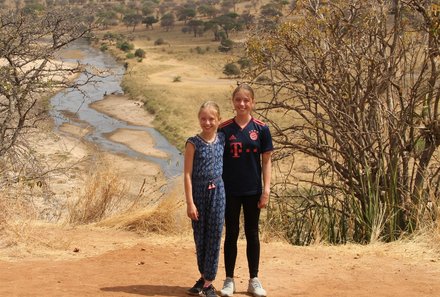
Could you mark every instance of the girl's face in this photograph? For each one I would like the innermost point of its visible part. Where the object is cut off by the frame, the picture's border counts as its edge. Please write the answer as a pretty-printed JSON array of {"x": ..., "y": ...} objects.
[
  {"x": 208, "y": 120},
  {"x": 243, "y": 103}
]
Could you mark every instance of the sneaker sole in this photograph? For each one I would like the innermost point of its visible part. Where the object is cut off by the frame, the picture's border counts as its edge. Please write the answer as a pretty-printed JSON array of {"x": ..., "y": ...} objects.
[{"x": 257, "y": 295}]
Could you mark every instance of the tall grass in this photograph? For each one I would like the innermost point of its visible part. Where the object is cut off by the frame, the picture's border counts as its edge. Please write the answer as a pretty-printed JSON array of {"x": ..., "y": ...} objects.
[
  {"x": 311, "y": 214},
  {"x": 16, "y": 219},
  {"x": 102, "y": 193},
  {"x": 167, "y": 216},
  {"x": 104, "y": 201}
]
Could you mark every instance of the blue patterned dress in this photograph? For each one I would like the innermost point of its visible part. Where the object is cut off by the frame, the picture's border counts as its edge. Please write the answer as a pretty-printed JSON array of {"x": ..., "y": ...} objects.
[{"x": 209, "y": 197}]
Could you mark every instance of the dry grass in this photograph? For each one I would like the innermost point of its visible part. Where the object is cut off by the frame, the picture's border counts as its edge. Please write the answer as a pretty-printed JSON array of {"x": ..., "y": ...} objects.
[
  {"x": 21, "y": 227},
  {"x": 16, "y": 219},
  {"x": 102, "y": 194},
  {"x": 104, "y": 201},
  {"x": 167, "y": 217}
]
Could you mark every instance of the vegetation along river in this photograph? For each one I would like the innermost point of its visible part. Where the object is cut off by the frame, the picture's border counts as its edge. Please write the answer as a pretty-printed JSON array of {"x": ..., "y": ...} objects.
[{"x": 77, "y": 102}]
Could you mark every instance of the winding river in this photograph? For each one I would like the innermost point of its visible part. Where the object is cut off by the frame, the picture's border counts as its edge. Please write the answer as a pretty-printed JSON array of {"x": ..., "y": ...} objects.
[{"x": 77, "y": 102}]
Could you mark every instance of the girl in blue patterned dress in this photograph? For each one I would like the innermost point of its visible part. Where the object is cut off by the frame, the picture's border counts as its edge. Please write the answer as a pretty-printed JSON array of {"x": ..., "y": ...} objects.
[{"x": 205, "y": 195}]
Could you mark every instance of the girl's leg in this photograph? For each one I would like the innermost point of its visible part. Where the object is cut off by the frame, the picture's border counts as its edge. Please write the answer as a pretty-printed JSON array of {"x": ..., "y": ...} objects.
[
  {"x": 232, "y": 223},
  {"x": 214, "y": 220},
  {"x": 199, "y": 227},
  {"x": 251, "y": 222}
]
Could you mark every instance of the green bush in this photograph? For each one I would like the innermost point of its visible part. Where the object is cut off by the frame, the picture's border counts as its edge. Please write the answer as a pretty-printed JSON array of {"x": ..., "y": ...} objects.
[
  {"x": 199, "y": 50},
  {"x": 263, "y": 79},
  {"x": 112, "y": 36},
  {"x": 103, "y": 47},
  {"x": 226, "y": 45},
  {"x": 231, "y": 69},
  {"x": 125, "y": 46},
  {"x": 130, "y": 56},
  {"x": 140, "y": 53},
  {"x": 244, "y": 62},
  {"x": 159, "y": 41}
]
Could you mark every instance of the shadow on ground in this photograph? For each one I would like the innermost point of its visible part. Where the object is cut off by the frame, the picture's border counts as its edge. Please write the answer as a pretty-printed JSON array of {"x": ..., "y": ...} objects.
[{"x": 149, "y": 290}]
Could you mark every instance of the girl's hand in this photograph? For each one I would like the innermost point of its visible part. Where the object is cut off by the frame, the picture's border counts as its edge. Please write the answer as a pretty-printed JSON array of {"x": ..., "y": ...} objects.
[
  {"x": 264, "y": 200},
  {"x": 191, "y": 211}
]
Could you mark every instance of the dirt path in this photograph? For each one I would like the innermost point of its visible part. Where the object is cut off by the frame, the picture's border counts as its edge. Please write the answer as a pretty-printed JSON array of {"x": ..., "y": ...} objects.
[{"x": 165, "y": 266}]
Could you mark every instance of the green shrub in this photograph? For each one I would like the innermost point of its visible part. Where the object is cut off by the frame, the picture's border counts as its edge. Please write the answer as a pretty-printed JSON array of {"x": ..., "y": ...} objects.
[
  {"x": 226, "y": 45},
  {"x": 231, "y": 69},
  {"x": 103, "y": 47},
  {"x": 140, "y": 53},
  {"x": 244, "y": 62},
  {"x": 263, "y": 79},
  {"x": 199, "y": 50},
  {"x": 159, "y": 41},
  {"x": 125, "y": 46}
]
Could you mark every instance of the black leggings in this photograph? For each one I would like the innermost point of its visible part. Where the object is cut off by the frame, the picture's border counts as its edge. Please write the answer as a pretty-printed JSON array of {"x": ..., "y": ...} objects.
[{"x": 232, "y": 222}]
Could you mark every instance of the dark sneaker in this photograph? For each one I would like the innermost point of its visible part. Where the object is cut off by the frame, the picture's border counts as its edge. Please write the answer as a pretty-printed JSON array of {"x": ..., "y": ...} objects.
[
  {"x": 209, "y": 291},
  {"x": 196, "y": 290}
]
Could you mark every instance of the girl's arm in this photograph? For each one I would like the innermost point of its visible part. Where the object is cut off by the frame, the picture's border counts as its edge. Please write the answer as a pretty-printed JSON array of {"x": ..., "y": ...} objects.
[
  {"x": 266, "y": 164},
  {"x": 191, "y": 209}
]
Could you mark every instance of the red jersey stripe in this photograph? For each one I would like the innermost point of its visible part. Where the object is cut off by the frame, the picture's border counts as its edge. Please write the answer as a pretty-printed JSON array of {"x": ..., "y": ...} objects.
[
  {"x": 226, "y": 123},
  {"x": 258, "y": 122}
]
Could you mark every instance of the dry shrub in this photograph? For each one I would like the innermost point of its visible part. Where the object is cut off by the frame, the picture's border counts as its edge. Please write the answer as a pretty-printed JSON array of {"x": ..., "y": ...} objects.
[
  {"x": 166, "y": 217},
  {"x": 161, "y": 219},
  {"x": 102, "y": 194},
  {"x": 17, "y": 217}
]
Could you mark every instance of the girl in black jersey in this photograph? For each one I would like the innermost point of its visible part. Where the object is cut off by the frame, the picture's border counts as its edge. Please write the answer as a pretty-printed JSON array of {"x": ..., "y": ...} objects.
[{"x": 246, "y": 175}]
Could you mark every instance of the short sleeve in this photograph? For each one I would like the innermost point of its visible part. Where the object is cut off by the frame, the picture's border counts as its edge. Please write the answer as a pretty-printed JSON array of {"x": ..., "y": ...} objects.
[
  {"x": 191, "y": 140},
  {"x": 266, "y": 140}
]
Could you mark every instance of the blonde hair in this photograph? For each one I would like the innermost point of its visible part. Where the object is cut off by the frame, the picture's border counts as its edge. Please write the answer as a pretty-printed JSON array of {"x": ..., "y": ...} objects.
[
  {"x": 210, "y": 104},
  {"x": 244, "y": 87}
]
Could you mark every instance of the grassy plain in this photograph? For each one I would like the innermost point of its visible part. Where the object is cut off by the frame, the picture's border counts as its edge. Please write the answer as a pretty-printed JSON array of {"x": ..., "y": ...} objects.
[{"x": 176, "y": 77}]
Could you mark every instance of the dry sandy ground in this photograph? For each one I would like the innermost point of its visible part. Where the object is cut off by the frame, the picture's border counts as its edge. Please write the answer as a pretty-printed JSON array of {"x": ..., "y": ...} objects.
[
  {"x": 92, "y": 261},
  {"x": 151, "y": 265}
]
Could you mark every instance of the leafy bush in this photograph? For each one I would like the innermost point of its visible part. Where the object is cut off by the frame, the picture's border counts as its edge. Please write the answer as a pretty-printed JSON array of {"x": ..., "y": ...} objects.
[
  {"x": 231, "y": 69},
  {"x": 263, "y": 79},
  {"x": 159, "y": 41},
  {"x": 125, "y": 46},
  {"x": 199, "y": 50},
  {"x": 244, "y": 62},
  {"x": 226, "y": 45},
  {"x": 103, "y": 47},
  {"x": 130, "y": 56},
  {"x": 140, "y": 53},
  {"x": 112, "y": 36}
]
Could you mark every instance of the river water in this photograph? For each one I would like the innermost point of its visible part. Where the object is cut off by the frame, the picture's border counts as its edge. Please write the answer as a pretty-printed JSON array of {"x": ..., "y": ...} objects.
[{"x": 77, "y": 102}]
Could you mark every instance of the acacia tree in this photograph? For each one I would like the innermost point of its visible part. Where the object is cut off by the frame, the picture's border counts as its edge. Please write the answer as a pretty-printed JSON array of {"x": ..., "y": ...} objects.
[
  {"x": 356, "y": 88},
  {"x": 29, "y": 72}
]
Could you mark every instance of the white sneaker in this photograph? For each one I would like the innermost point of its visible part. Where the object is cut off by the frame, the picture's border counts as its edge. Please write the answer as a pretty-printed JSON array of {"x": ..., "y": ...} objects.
[
  {"x": 255, "y": 288},
  {"x": 228, "y": 287}
]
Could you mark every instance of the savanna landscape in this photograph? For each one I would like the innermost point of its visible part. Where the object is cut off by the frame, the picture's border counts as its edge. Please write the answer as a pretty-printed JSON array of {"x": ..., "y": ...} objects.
[{"x": 79, "y": 220}]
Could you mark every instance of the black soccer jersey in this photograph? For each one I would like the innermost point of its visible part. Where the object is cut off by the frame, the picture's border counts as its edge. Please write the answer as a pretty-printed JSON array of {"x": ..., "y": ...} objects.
[{"x": 242, "y": 156}]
